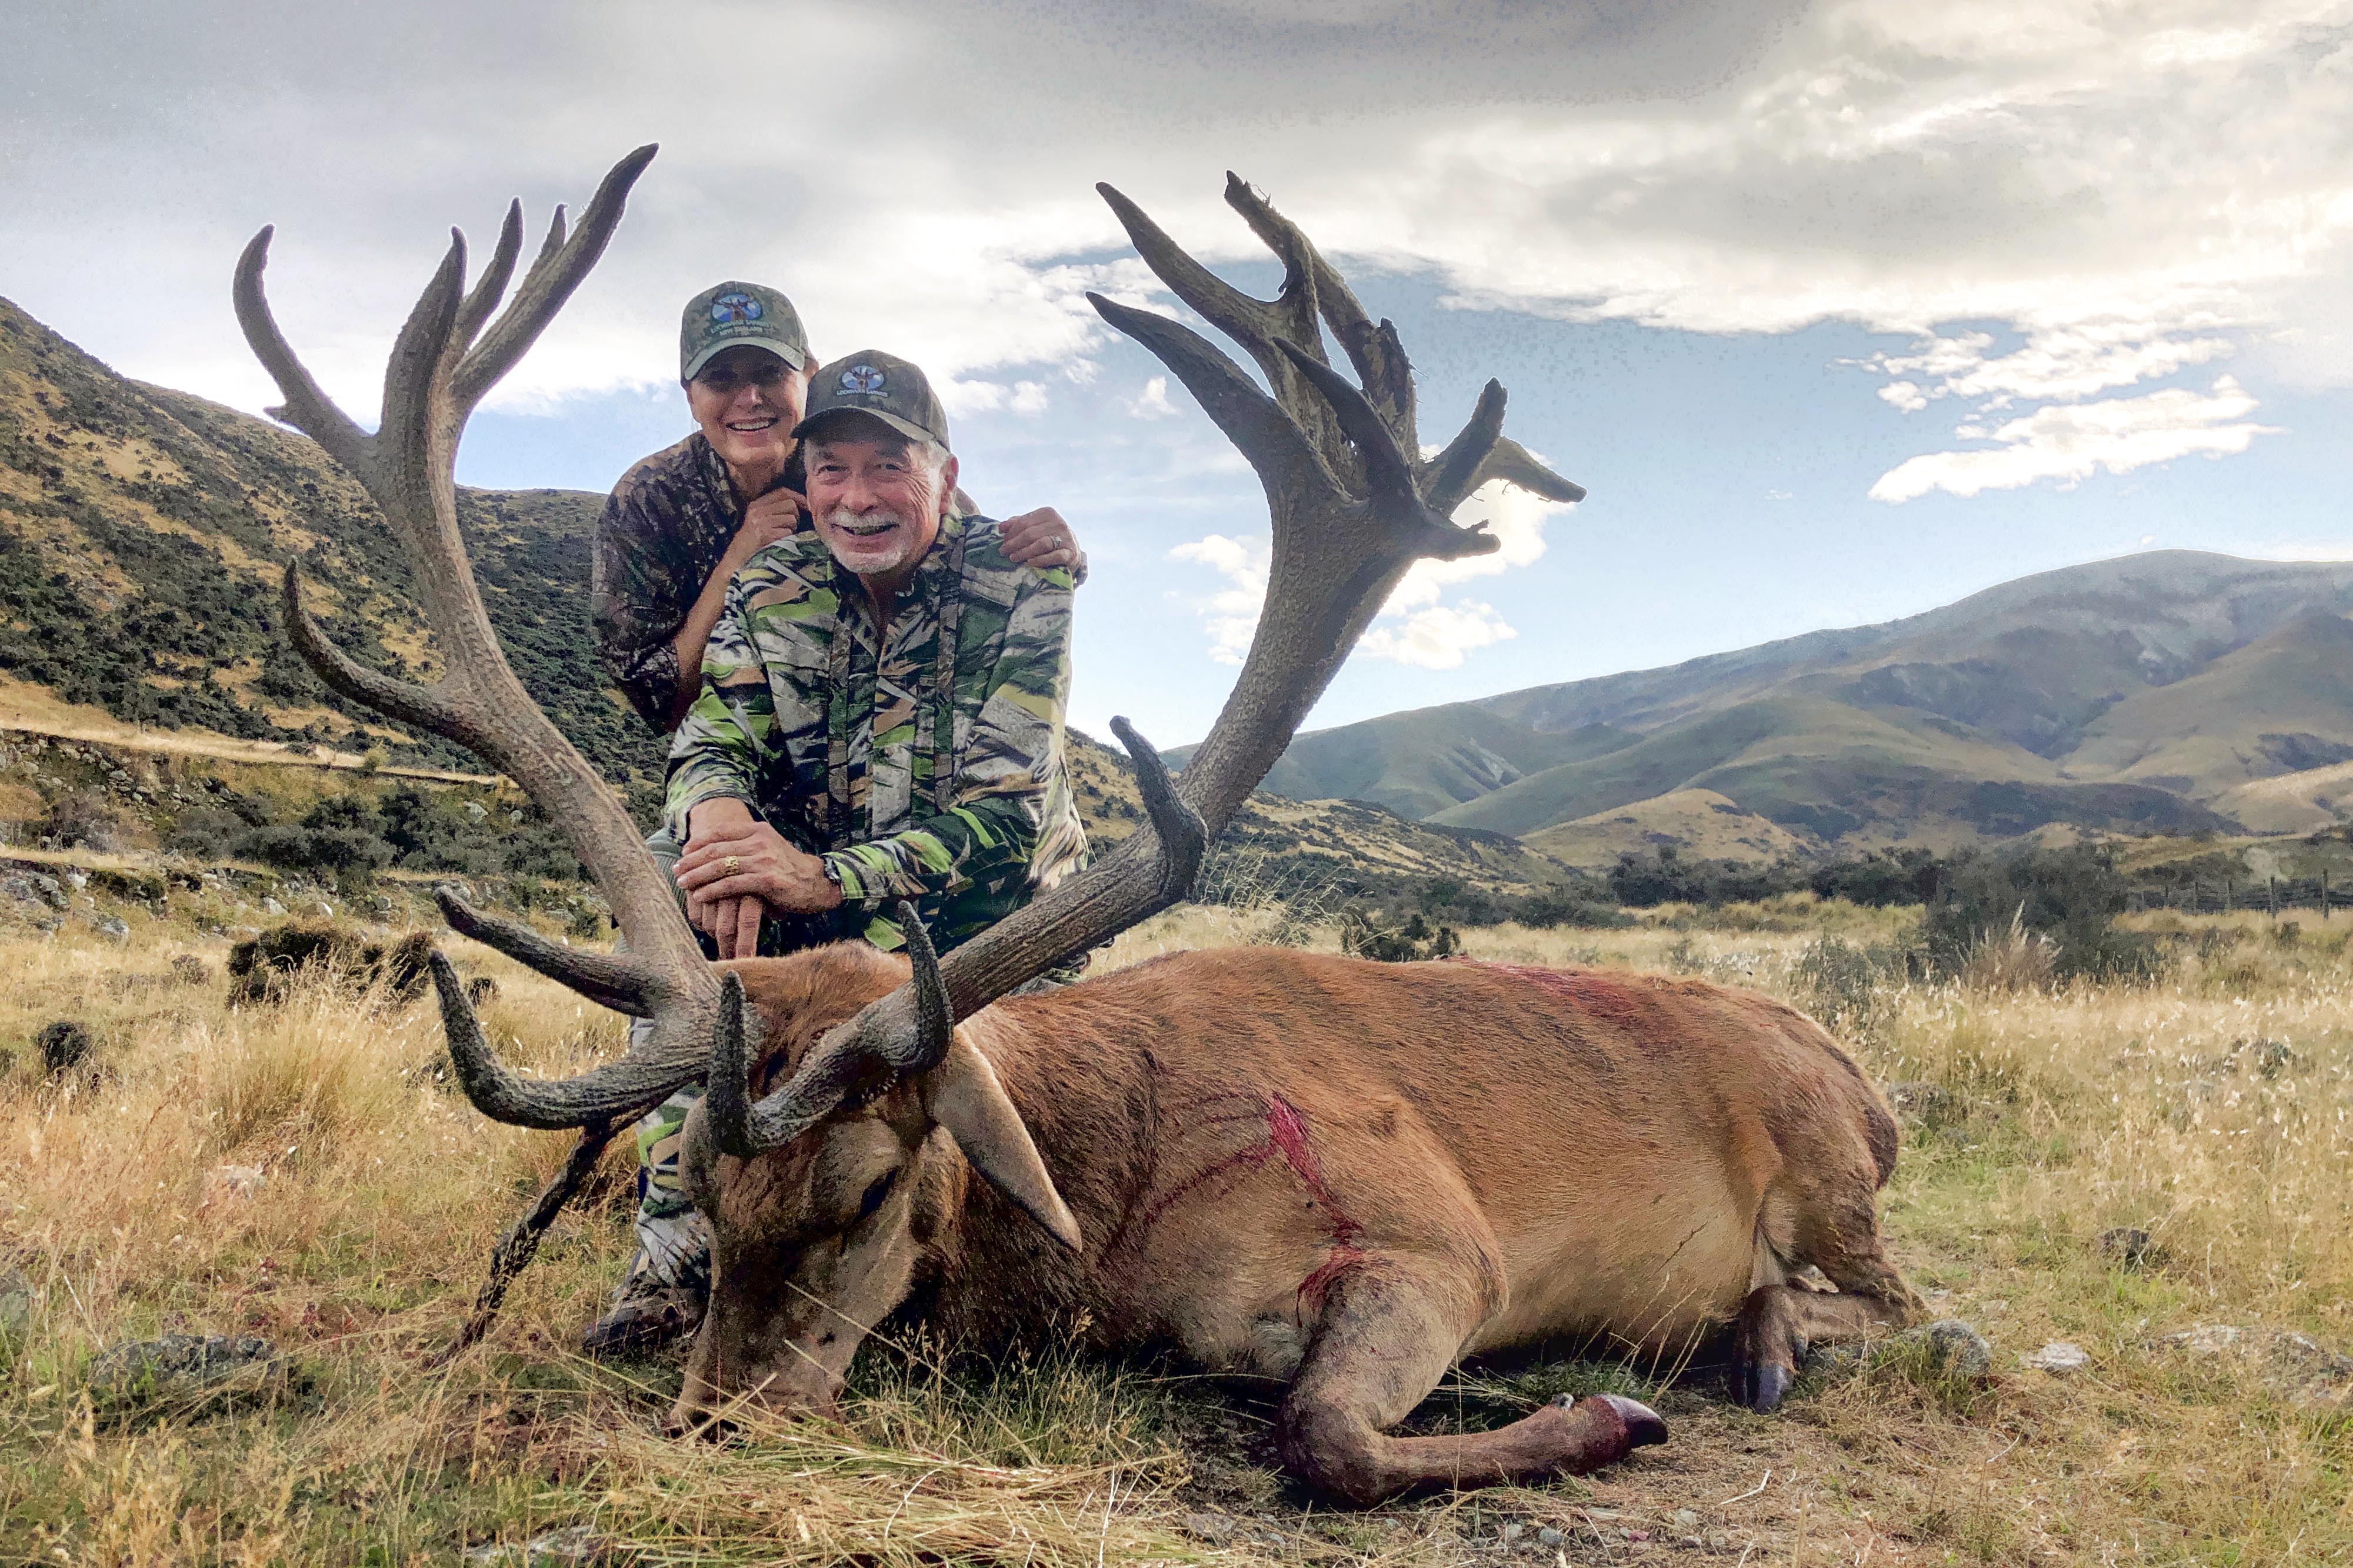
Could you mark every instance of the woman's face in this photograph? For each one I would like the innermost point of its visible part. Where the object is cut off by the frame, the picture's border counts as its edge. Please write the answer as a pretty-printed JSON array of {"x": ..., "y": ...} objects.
[{"x": 747, "y": 401}]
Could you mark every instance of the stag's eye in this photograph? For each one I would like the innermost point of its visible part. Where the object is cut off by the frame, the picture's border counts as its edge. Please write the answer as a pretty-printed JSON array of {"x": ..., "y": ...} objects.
[{"x": 876, "y": 1190}]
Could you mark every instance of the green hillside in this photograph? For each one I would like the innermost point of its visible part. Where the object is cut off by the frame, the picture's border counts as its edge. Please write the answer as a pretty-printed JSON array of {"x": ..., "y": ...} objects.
[
  {"x": 142, "y": 534},
  {"x": 1421, "y": 763}
]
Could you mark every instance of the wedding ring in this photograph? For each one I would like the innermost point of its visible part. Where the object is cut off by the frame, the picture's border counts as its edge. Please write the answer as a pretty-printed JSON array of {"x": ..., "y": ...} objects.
[{"x": 732, "y": 864}]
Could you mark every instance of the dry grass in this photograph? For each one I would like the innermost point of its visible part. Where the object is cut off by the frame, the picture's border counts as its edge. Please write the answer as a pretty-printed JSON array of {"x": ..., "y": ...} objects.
[{"x": 2214, "y": 1110}]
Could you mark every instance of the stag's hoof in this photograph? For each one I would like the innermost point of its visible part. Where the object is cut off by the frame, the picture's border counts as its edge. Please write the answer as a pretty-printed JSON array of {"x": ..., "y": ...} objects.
[
  {"x": 1759, "y": 1385},
  {"x": 1644, "y": 1426}
]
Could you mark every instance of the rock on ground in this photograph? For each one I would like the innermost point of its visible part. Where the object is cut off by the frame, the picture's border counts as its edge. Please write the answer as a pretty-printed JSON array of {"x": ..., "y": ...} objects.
[
  {"x": 2058, "y": 1357},
  {"x": 1951, "y": 1347},
  {"x": 574, "y": 1547},
  {"x": 2296, "y": 1366},
  {"x": 176, "y": 1365}
]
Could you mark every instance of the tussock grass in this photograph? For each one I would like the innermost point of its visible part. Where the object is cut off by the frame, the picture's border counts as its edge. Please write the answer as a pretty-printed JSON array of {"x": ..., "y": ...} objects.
[{"x": 305, "y": 1173}]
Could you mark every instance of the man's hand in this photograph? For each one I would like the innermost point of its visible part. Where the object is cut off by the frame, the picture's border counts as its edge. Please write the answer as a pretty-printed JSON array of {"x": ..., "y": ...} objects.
[
  {"x": 736, "y": 868},
  {"x": 1042, "y": 540}
]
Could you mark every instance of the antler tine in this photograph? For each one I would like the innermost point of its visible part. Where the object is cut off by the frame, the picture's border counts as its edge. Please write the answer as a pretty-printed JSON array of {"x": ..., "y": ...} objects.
[
  {"x": 1482, "y": 452},
  {"x": 1257, "y": 324},
  {"x": 908, "y": 1031},
  {"x": 423, "y": 706},
  {"x": 610, "y": 980},
  {"x": 1448, "y": 480},
  {"x": 502, "y": 1097},
  {"x": 1375, "y": 352},
  {"x": 1265, "y": 432},
  {"x": 307, "y": 408},
  {"x": 561, "y": 266},
  {"x": 483, "y": 297},
  {"x": 1513, "y": 463},
  {"x": 408, "y": 440},
  {"x": 407, "y": 468}
]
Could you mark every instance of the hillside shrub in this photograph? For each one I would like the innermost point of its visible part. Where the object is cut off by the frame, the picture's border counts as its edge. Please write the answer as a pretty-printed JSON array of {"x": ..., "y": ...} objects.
[
  {"x": 81, "y": 819},
  {"x": 1415, "y": 941},
  {"x": 1848, "y": 989},
  {"x": 2070, "y": 897},
  {"x": 263, "y": 969}
]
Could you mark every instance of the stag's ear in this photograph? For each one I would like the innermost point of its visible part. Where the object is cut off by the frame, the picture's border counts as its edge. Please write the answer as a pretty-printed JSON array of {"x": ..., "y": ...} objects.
[{"x": 963, "y": 1095}]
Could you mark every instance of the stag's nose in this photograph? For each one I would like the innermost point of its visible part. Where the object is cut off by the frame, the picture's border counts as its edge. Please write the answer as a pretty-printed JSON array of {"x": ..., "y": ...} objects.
[{"x": 704, "y": 1411}]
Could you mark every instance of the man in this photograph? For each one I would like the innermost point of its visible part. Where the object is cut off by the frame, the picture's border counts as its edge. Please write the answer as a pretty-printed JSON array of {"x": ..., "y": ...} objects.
[{"x": 674, "y": 531}]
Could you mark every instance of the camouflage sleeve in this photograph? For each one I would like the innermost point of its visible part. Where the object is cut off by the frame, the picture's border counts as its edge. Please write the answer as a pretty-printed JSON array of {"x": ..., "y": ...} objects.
[
  {"x": 634, "y": 635},
  {"x": 722, "y": 741},
  {"x": 1006, "y": 769}
]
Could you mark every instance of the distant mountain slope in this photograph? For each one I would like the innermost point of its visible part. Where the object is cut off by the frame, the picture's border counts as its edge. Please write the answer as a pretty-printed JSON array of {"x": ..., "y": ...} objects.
[
  {"x": 2124, "y": 695},
  {"x": 2070, "y": 632},
  {"x": 2282, "y": 704},
  {"x": 1699, "y": 824},
  {"x": 141, "y": 535},
  {"x": 1420, "y": 763}
]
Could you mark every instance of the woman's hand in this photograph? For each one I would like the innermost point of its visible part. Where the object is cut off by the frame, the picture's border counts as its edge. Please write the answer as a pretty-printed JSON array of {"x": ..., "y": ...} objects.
[
  {"x": 770, "y": 517},
  {"x": 737, "y": 868},
  {"x": 1042, "y": 540}
]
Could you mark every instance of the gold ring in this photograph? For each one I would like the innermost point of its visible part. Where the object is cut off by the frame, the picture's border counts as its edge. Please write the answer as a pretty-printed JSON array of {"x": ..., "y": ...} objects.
[{"x": 732, "y": 864}]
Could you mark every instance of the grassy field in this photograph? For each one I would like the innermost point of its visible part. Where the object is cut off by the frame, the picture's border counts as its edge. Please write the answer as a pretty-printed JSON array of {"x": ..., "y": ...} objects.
[{"x": 303, "y": 1174}]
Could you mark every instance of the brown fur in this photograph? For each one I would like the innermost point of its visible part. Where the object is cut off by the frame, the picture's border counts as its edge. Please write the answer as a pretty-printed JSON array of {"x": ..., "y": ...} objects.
[{"x": 1334, "y": 1175}]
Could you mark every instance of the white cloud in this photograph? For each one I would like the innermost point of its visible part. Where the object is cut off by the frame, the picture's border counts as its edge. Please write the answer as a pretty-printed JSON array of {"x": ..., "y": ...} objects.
[
  {"x": 1514, "y": 517},
  {"x": 1412, "y": 627},
  {"x": 2069, "y": 442},
  {"x": 1437, "y": 638},
  {"x": 991, "y": 396},
  {"x": 1231, "y": 612},
  {"x": 1152, "y": 402}
]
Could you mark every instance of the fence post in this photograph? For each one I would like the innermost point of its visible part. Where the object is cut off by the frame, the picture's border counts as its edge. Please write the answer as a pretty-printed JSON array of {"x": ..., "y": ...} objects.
[
  {"x": 2324, "y": 897},
  {"x": 2274, "y": 891},
  {"x": 2230, "y": 897}
]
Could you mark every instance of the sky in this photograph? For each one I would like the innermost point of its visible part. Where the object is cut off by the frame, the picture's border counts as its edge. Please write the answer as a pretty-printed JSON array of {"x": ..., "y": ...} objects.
[{"x": 1838, "y": 311}]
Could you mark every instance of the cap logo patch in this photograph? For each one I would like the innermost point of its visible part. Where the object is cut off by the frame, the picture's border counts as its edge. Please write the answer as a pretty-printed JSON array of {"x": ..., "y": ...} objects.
[
  {"x": 731, "y": 308},
  {"x": 861, "y": 378}
]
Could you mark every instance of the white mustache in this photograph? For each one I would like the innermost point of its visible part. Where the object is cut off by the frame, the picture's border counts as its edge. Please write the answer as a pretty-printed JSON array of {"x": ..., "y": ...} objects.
[{"x": 842, "y": 517}]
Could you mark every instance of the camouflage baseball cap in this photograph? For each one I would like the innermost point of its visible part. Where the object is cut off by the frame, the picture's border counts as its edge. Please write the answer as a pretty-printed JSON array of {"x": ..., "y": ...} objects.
[
  {"x": 883, "y": 386},
  {"x": 729, "y": 313}
]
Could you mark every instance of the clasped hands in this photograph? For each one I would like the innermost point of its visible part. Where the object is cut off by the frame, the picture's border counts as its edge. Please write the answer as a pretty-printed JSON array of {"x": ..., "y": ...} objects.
[{"x": 737, "y": 868}]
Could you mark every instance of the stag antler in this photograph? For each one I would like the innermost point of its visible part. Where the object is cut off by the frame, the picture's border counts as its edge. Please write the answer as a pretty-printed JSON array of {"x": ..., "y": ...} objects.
[
  {"x": 448, "y": 356},
  {"x": 1351, "y": 506}
]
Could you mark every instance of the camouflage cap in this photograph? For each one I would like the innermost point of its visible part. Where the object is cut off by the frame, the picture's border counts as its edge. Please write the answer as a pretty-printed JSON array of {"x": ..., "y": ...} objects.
[
  {"x": 726, "y": 314},
  {"x": 881, "y": 387}
]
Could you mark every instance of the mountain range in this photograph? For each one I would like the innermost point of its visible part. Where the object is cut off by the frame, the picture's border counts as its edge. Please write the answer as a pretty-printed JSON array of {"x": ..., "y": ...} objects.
[{"x": 2172, "y": 691}]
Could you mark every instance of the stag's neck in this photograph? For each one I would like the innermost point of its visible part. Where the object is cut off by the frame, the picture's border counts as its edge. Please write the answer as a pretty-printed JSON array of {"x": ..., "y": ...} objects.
[{"x": 1083, "y": 1087}]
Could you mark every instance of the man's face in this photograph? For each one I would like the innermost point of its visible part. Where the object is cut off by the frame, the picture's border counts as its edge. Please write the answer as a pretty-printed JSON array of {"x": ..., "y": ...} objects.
[
  {"x": 748, "y": 402},
  {"x": 876, "y": 497}
]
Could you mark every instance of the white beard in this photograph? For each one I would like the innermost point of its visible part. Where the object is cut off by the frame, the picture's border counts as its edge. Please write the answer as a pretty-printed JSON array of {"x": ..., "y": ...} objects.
[{"x": 888, "y": 552}]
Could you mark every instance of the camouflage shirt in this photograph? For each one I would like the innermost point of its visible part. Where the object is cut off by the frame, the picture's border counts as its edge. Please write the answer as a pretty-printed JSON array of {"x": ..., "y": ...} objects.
[
  {"x": 660, "y": 537},
  {"x": 949, "y": 792}
]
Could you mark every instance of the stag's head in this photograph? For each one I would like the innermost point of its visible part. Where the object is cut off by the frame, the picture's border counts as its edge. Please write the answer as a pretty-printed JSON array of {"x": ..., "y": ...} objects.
[
  {"x": 821, "y": 1193},
  {"x": 844, "y": 1084}
]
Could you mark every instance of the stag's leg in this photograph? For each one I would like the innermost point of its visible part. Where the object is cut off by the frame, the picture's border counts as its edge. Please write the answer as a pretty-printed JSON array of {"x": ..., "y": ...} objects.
[
  {"x": 1389, "y": 1328},
  {"x": 1779, "y": 1322}
]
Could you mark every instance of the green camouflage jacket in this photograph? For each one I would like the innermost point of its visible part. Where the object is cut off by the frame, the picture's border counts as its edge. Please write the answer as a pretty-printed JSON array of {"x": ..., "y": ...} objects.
[
  {"x": 660, "y": 537},
  {"x": 951, "y": 793}
]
